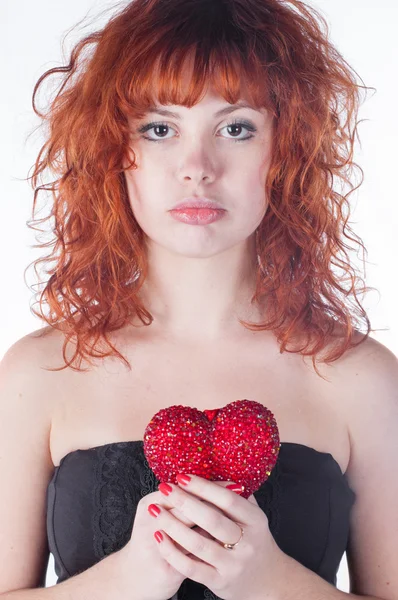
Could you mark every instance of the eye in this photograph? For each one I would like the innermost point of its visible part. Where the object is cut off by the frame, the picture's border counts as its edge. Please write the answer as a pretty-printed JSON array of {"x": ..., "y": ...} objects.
[{"x": 238, "y": 124}]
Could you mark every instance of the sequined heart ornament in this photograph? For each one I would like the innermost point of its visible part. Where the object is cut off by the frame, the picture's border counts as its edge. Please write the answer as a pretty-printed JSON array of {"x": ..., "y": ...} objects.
[{"x": 239, "y": 443}]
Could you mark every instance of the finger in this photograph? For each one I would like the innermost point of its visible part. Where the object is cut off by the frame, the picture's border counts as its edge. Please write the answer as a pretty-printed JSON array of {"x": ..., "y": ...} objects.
[
  {"x": 224, "y": 483},
  {"x": 205, "y": 515},
  {"x": 180, "y": 515},
  {"x": 163, "y": 500},
  {"x": 201, "y": 547},
  {"x": 231, "y": 504},
  {"x": 253, "y": 500},
  {"x": 186, "y": 564},
  {"x": 198, "y": 530}
]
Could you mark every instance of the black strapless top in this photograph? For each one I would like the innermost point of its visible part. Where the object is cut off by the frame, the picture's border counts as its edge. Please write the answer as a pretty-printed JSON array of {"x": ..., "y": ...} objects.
[{"x": 93, "y": 495}]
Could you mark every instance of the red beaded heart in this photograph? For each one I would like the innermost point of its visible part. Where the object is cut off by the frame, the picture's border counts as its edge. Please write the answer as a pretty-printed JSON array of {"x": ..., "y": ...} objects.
[{"x": 239, "y": 443}]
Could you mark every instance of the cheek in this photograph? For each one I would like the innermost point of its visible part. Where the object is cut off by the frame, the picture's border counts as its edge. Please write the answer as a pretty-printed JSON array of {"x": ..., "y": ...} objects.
[
  {"x": 253, "y": 188},
  {"x": 137, "y": 187},
  {"x": 145, "y": 201},
  {"x": 135, "y": 195},
  {"x": 147, "y": 185}
]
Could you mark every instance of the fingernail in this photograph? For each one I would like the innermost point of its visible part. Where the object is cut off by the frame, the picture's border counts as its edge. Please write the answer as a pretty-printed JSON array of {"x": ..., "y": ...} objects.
[
  {"x": 235, "y": 488},
  {"x": 158, "y": 536},
  {"x": 165, "y": 488},
  {"x": 183, "y": 479},
  {"x": 154, "y": 510}
]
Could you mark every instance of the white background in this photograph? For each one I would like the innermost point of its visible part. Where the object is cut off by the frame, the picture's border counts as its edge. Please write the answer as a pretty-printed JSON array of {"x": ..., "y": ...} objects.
[{"x": 364, "y": 32}]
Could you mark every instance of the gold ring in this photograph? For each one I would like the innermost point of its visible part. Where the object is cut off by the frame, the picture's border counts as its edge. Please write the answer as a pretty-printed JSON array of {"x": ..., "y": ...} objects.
[{"x": 232, "y": 546}]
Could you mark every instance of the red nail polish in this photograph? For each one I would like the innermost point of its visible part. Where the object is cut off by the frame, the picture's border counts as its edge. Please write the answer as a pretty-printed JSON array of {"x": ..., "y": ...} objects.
[
  {"x": 183, "y": 479},
  {"x": 238, "y": 489},
  {"x": 158, "y": 536},
  {"x": 165, "y": 488},
  {"x": 154, "y": 510}
]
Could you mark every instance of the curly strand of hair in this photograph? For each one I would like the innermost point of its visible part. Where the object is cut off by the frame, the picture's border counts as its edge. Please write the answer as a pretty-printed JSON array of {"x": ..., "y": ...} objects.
[{"x": 281, "y": 52}]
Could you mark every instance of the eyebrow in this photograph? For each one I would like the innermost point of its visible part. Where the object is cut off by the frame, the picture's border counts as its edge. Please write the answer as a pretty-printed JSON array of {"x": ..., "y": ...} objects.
[{"x": 219, "y": 113}]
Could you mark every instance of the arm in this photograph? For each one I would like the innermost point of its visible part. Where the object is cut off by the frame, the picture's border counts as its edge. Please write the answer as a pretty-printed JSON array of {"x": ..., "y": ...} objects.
[
  {"x": 303, "y": 584},
  {"x": 368, "y": 389},
  {"x": 101, "y": 581},
  {"x": 25, "y": 470}
]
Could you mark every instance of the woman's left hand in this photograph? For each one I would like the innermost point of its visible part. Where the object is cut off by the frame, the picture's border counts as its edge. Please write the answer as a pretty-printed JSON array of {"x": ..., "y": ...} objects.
[{"x": 246, "y": 571}]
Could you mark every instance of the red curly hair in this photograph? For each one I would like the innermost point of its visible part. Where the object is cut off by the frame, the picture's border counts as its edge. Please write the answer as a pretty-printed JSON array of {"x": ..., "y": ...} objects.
[{"x": 280, "y": 53}]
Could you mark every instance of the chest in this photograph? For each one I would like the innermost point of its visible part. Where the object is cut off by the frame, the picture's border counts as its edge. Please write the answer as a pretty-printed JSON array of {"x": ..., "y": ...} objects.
[{"x": 112, "y": 404}]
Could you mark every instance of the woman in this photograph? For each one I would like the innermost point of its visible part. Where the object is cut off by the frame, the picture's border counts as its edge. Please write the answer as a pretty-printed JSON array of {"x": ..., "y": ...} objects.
[{"x": 150, "y": 306}]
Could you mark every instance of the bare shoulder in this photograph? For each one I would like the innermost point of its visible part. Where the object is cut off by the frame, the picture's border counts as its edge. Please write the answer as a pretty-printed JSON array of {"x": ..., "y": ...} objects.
[
  {"x": 367, "y": 376},
  {"x": 27, "y": 361},
  {"x": 27, "y": 350},
  {"x": 367, "y": 384},
  {"x": 41, "y": 341},
  {"x": 368, "y": 380},
  {"x": 369, "y": 350}
]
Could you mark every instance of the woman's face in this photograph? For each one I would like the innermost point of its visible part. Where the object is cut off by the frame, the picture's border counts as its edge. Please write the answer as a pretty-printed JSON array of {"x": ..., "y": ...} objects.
[{"x": 196, "y": 152}]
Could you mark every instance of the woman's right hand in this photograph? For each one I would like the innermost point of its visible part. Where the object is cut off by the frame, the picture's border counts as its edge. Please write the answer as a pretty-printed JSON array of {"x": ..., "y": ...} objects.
[{"x": 147, "y": 574}]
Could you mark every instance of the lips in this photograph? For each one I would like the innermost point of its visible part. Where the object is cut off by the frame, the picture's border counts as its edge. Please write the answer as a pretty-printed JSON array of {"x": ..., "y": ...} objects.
[{"x": 198, "y": 203}]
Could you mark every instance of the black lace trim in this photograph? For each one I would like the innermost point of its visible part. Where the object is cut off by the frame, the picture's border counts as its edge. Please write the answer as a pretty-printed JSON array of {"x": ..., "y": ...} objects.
[{"x": 122, "y": 478}]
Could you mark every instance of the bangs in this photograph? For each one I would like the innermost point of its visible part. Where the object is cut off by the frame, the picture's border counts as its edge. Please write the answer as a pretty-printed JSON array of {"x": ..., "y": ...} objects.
[
  {"x": 185, "y": 78},
  {"x": 189, "y": 58}
]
